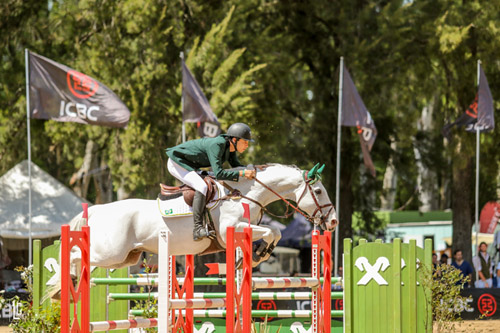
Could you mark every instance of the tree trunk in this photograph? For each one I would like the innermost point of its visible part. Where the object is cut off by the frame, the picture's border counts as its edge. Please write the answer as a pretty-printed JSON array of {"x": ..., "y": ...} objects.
[
  {"x": 427, "y": 178},
  {"x": 81, "y": 179},
  {"x": 122, "y": 193},
  {"x": 390, "y": 183},
  {"x": 498, "y": 183},
  {"x": 427, "y": 185},
  {"x": 461, "y": 204},
  {"x": 346, "y": 209},
  {"x": 103, "y": 184}
]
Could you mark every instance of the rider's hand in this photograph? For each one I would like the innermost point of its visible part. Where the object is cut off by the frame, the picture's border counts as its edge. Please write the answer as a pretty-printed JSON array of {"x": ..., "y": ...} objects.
[{"x": 249, "y": 174}]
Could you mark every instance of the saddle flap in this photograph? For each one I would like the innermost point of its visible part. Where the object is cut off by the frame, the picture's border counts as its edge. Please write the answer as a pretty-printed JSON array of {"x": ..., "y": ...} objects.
[{"x": 170, "y": 192}]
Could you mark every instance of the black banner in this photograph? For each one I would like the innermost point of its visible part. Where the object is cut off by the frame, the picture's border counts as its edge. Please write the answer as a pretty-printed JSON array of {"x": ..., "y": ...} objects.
[
  {"x": 11, "y": 309},
  {"x": 485, "y": 302},
  {"x": 60, "y": 93},
  {"x": 355, "y": 114},
  {"x": 196, "y": 108},
  {"x": 480, "y": 114}
]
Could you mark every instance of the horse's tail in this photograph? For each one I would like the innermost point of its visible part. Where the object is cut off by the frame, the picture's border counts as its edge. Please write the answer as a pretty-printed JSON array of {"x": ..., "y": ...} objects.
[
  {"x": 77, "y": 222},
  {"x": 54, "y": 290}
]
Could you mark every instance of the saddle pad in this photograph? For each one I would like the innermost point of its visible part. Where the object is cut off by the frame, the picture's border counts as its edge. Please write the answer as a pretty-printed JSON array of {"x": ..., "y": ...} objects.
[{"x": 178, "y": 207}]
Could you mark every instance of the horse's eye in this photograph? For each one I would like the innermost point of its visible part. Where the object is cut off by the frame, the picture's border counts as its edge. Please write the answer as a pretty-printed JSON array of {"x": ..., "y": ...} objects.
[{"x": 317, "y": 191}]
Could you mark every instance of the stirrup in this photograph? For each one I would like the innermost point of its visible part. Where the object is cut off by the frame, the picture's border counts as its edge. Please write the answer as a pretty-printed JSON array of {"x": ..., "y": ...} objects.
[
  {"x": 200, "y": 234},
  {"x": 212, "y": 235}
]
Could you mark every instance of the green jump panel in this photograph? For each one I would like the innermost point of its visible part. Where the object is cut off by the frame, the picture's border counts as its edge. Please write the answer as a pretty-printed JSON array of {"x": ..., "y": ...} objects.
[
  {"x": 118, "y": 310},
  {"x": 46, "y": 266},
  {"x": 383, "y": 290},
  {"x": 98, "y": 309},
  {"x": 216, "y": 325}
]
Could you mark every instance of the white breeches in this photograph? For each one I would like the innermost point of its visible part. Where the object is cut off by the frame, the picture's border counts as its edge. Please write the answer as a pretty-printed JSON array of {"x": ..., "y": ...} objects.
[{"x": 190, "y": 178}]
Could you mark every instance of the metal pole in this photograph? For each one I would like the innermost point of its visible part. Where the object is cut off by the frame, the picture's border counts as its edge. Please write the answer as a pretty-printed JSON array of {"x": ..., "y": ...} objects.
[
  {"x": 182, "y": 104},
  {"x": 478, "y": 134},
  {"x": 337, "y": 188},
  {"x": 26, "y": 60}
]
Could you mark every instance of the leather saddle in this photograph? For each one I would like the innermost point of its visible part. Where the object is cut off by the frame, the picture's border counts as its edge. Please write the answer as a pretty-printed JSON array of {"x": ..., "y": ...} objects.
[{"x": 172, "y": 192}]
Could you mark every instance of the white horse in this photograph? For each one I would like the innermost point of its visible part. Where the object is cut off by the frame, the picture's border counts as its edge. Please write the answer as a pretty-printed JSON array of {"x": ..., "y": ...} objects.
[{"x": 122, "y": 230}]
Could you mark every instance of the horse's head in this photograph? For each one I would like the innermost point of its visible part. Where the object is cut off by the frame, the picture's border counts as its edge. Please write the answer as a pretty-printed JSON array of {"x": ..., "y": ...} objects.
[{"x": 313, "y": 199}]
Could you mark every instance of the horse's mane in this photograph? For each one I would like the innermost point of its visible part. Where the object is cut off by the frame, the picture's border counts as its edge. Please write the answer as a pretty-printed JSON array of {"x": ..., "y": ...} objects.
[{"x": 267, "y": 165}]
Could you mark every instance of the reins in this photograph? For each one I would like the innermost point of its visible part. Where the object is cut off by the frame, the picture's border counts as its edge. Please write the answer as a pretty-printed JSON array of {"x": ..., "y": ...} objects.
[
  {"x": 288, "y": 203},
  {"x": 234, "y": 193}
]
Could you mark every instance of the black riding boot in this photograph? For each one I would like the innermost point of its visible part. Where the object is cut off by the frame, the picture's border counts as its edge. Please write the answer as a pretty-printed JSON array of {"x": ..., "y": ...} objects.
[{"x": 199, "y": 203}]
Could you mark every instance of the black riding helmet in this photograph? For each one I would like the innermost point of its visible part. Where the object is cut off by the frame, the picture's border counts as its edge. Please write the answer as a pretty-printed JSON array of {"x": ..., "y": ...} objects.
[{"x": 240, "y": 131}]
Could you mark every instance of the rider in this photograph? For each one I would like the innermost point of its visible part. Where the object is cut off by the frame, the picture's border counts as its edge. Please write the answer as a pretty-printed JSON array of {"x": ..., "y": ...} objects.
[{"x": 185, "y": 159}]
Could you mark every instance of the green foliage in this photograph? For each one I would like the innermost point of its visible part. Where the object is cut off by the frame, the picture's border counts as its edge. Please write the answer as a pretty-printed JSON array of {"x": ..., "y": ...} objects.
[
  {"x": 132, "y": 47},
  {"x": 444, "y": 285},
  {"x": 149, "y": 306},
  {"x": 273, "y": 65},
  {"x": 262, "y": 327},
  {"x": 228, "y": 88},
  {"x": 45, "y": 320}
]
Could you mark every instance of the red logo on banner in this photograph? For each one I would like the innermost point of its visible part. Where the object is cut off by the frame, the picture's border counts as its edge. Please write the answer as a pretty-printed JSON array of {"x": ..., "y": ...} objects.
[
  {"x": 487, "y": 305},
  {"x": 339, "y": 304},
  {"x": 266, "y": 305},
  {"x": 81, "y": 85}
]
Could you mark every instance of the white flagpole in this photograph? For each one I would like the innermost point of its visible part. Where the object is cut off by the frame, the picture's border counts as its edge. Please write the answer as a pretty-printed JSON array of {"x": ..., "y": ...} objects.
[
  {"x": 26, "y": 59},
  {"x": 337, "y": 188},
  {"x": 182, "y": 105},
  {"x": 477, "y": 165}
]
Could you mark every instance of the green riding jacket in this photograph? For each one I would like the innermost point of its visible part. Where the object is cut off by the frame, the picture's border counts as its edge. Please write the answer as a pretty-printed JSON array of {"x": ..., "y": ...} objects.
[{"x": 206, "y": 152}]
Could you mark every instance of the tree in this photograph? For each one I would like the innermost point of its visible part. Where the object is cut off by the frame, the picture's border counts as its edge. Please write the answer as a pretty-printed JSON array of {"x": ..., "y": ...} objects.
[
  {"x": 133, "y": 48},
  {"x": 24, "y": 21}
]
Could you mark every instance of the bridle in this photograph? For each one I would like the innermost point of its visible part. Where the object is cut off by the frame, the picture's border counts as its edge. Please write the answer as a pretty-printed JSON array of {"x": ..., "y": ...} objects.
[{"x": 317, "y": 218}]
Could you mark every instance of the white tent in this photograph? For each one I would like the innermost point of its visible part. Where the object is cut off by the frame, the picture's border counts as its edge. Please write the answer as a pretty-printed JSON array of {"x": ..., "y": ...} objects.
[{"x": 53, "y": 204}]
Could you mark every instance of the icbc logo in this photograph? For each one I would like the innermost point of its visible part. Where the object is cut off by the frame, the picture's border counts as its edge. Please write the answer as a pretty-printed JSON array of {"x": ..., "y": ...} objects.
[
  {"x": 81, "y": 85},
  {"x": 487, "y": 305},
  {"x": 266, "y": 305},
  {"x": 339, "y": 304}
]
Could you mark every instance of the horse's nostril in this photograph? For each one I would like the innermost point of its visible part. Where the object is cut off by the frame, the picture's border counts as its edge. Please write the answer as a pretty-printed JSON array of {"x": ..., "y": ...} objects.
[{"x": 335, "y": 223}]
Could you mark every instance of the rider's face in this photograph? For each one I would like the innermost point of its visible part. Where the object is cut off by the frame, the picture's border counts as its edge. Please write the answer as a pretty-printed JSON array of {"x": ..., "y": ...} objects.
[{"x": 241, "y": 145}]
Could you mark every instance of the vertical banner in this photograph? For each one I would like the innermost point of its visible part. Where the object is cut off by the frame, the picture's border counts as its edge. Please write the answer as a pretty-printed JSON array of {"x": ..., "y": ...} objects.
[
  {"x": 355, "y": 114},
  {"x": 196, "y": 108},
  {"x": 480, "y": 114}
]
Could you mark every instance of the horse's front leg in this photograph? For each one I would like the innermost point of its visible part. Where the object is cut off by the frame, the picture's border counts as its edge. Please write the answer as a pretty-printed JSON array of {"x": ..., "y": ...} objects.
[{"x": 269, "y": 236}]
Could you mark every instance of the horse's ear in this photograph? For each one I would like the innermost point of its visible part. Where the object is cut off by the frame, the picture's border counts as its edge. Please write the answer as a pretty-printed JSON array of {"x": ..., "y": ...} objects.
[
  {"x": 312, "y": 173},
  {"x": 320, "y": 170}
]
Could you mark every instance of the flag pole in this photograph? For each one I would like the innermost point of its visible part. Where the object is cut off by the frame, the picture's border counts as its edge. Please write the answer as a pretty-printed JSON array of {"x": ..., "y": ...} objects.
[
  {"x": 337, "y": 186},
  {"x": 478, "y": 134},
  {"x": 26, "y": 60},
  {"x": 181, "y": 55}
]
